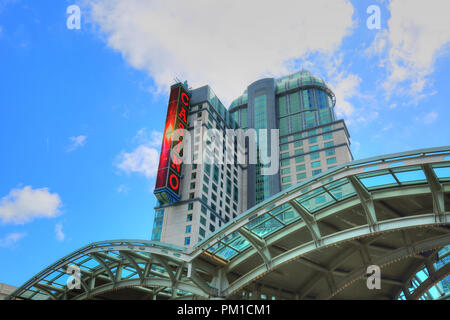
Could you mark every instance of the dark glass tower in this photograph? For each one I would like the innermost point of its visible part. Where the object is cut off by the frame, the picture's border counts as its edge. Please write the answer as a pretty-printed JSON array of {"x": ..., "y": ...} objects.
[{"x": 301, "y": 106}]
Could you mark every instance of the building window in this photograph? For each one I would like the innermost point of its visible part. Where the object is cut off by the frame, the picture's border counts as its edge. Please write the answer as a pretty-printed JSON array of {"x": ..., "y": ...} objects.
[
  {"x": 189, "y": 217},
  {"x": 298, "y": 144},
  {"x": 201, "y": 232},
  {"x": 300, "y": 168},
  {"x": 285, "y": 155},
  {"x": 315, "y": 164},
  {"x": 316, "y": 172},
  {"x": 313, "y": 140},
  {"x": 314, "y": 148},
  {"x": 300, "y": 159},
  {"x": 314, "y": 156},
  {"x": 331, "y": 161},
  {"x": 286, "y": 171},
  {"x": 284, "y": 147},
  {"x": 286, "y": 179},
  {"x": 192, "y": 185},
  {"x": 330, "y": 152},
  {"x": 212, "y": 228},
  {"x": 190, "y": 206},
  {"x": 329, "y": 144},
  {"x": 328, "y": 136},
  {"x": 301, "y": 176},
  {"x": 188, "y": 228},
  {"x": 203, "y": 221},
  {"x": 157, "y": 225}
]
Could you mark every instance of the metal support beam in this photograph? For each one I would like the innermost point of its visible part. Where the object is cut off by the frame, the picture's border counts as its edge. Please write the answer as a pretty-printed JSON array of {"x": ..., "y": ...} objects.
[
  {"x": 104, "y": 265},
  {"x": 366, "y": 202},
  {"x": 430, "y": 282},
  {"x": 259, "y": 245},
  {"x": 133, "y": 262},
  {"x": 164, "y": 263},
  {"x": 310, "y": 222},
  {"x": 48, "y": 289},
  {"x": 199, "y": 282},
  {"x": 437, "y": 193},
  {"x": 220, "y": 281}
]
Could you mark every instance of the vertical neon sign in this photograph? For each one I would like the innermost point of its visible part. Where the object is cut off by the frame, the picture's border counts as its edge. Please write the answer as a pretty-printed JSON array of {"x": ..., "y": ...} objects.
[{"x": 168, "y": 179}]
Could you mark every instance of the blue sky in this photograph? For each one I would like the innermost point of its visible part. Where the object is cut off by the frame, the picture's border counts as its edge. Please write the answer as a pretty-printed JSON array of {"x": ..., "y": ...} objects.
[{"x": 81, "y": 110}]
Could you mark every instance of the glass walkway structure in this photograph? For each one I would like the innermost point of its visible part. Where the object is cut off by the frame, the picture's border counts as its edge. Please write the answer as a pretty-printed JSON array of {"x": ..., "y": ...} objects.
[{"x": 314, "y": 240}]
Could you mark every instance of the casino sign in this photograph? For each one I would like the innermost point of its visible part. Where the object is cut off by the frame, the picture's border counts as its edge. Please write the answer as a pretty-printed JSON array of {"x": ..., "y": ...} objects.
[{"x": 168, "y": 180}]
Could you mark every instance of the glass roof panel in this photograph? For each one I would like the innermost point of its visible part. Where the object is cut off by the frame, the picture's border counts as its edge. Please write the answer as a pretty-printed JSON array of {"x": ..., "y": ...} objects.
[
  {"x": 442, "y": 173},
  {"x": 318, "y": 202},
  {"x": 379, "y": 181},
  {"x": 336, "y": 183},
  {"x": 91, "y": 264},
  {"x": 311, "y": 194},
  {"x": 240, "y": 244},
  {"x": 62, "y": 280},
  {"x": 280, "y": 209},
  {"x": 411, "y": 176},
  {"x": 257, "y": 221},
  {"x": 215, "y": 247},
  {"x": 373, "y": 174},
  {"x": 230, "y": 238},
  {"x": 267, "y": 228},
  {"x": 343, "y": 191},
  {"x": 288, "y": 217},
  {"x": 226, "y": 253}
]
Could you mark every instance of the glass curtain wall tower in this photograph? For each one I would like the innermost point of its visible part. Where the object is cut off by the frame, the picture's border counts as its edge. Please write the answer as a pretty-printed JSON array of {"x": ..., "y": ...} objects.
[{"x": 312, "y": 140}]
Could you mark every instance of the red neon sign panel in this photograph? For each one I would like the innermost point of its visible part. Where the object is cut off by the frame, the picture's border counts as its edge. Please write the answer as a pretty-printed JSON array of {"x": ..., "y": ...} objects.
[{"x": 168, "y": 179}]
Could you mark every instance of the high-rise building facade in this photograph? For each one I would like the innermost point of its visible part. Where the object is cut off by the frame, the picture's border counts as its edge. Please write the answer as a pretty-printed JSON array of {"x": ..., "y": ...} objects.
[{"x": 311, "y": 141}]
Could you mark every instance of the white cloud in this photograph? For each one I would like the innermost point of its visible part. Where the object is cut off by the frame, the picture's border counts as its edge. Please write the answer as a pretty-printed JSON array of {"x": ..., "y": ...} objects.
[
  {"x": 123, "y": 189},
  {"x": 11, "y": 239},
  {"x": 24, "y": 205},
  {"x": 59, "y": 233},
  {"x": 343, "y": 83},
  {"x": 227, "y": 44},
  {"x": 77, "y": 142},
  {"x": 430, "y": 117},
  {"x": 418, "y": 32},
  {"x": 345, "y": 87},
  {"x": 144, "y": 159},
  {"x": 152, "y": 139}
]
